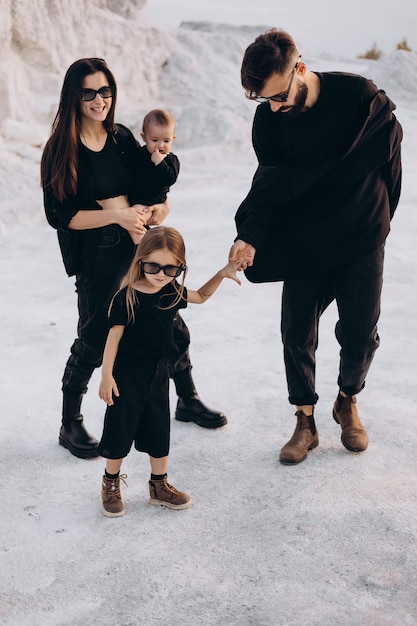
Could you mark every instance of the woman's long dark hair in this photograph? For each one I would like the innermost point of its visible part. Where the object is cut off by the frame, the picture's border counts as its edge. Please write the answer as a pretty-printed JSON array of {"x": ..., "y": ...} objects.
[{"x": 59, "y": 164}]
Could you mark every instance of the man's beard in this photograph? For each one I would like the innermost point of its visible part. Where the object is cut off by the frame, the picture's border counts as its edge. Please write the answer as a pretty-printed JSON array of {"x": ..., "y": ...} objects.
[{"x": 299, "y": 104}]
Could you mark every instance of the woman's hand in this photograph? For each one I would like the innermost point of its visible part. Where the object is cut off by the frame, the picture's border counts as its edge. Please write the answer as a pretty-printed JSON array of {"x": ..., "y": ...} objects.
[
  {"x": 114, "y": 211},
  {"x": 131, "y": 219},
  {"x": 156, "y": 213}
]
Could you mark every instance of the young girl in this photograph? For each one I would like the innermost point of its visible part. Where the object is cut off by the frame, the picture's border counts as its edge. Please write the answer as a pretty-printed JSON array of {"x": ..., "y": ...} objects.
[{"x": 135, "y": 374}]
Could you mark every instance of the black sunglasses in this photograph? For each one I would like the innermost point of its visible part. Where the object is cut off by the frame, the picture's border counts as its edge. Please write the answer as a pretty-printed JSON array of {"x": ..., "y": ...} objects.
[
  {"x": 90, "y": 94},
  {"x": 279, "y": 97},
  {"x": 169, "y": 270}
]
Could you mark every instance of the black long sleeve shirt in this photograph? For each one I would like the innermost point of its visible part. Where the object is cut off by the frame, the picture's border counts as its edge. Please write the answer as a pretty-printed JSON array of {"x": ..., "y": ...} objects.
[{"x": 328, "y": 181}]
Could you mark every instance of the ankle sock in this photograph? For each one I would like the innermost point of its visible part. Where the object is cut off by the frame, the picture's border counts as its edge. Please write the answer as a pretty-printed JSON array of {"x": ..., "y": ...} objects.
[
  {"x": 111, "y": 476},
  {"x": 158, "y": 476}
]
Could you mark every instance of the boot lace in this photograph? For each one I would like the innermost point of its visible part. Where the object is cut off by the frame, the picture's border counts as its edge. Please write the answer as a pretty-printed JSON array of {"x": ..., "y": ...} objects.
[
  {"x": 169, "y": 487},
  {"x": 113, "y": 485}
]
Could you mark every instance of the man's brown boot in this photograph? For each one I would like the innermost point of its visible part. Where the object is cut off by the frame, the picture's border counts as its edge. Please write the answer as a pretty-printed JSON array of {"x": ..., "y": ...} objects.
[
  {"x": 305, "y": 438},
  {"x": 354, "y": 436},
  {"x": 164, "y": 494},
  {"x": 111, "y": 497}
]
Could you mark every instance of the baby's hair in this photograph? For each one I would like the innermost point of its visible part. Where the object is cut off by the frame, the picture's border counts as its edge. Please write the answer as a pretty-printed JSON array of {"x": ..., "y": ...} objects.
[
  {"x": 160, "y": 117},
  {"x": 157, "y": 238}
]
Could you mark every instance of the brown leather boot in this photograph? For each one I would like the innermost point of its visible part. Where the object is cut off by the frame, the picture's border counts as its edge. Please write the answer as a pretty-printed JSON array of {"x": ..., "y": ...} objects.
[
  {"x": 164, "y": 494},
  {"x": 111, "y": 496},
  {"x": 305, "y": 438},
  {"x": 345, "y": 413}
]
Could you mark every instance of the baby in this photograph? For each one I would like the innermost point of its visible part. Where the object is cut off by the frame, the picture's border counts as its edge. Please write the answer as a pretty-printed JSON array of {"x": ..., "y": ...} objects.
[{"x": 156, "y": 168}]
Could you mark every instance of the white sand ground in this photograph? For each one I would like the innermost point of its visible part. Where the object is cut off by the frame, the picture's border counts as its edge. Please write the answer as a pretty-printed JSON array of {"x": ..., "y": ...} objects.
[{"x": 331, "y": 542}]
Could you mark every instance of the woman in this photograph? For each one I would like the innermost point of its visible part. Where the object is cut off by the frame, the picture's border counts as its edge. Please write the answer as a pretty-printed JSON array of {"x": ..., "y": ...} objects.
[{"x": 86, "y": 159}]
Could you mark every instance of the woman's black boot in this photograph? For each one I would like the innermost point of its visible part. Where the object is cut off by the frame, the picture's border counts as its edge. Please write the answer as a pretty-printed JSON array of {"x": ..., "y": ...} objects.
[
  {"x": 73, "y": 436},
  {"x": 189, "y": 406}
]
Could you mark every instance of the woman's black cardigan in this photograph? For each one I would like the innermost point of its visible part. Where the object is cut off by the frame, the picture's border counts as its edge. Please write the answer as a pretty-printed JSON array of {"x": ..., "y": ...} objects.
[{"x": 79, "y": 247}]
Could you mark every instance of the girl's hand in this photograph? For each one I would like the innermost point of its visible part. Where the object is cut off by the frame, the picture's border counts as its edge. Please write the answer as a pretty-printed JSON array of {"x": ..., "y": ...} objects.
[
  {"x": 106, "y": 390},
  {"x": 206, "y": 291},
  {"x": 229, "y": 271}
]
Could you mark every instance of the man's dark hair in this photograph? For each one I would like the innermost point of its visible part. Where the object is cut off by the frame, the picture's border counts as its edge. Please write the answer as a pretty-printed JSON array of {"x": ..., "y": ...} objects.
[{"x": 270, "y": 53}]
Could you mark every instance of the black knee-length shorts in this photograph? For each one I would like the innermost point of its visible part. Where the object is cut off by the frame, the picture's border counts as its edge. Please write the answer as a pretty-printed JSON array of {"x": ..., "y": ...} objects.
[{"x": 140, "y": 414}]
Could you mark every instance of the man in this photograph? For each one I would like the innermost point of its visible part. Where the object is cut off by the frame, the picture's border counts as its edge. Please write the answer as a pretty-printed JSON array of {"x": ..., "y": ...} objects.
[{"x": 317, "y": 216}]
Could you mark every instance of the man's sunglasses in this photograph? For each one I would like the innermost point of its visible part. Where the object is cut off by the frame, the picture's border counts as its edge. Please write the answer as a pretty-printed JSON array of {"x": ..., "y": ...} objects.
[
  {"x": 169, "y": 270},
  {"x": 90, "y": 94},
  {"x": 279, "y": 97}
]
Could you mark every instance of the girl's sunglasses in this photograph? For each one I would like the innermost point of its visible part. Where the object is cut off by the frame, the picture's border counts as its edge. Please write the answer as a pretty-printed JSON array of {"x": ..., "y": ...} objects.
[{"x": 169, "y": 270}]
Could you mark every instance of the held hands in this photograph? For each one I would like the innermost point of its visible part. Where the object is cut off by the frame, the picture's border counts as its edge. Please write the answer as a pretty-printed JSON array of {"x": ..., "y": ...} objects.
[
  {"x": 144, "y": 212},
  {"x": 243, "y": 253},
  {"x": 229, "y": 271},
  {"x": 133, "y": 220},
  {"x": 155, "y": 214},
  {"x": 106, "y": 390},
  {"x": 129, "y": 218},
  {"x": 149, "y": 215},
  {"x": 207, "y": 290}
]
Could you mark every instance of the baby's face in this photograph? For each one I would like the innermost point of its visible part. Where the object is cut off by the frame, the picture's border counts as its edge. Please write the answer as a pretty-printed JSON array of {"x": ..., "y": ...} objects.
[{"x": 159, "y": 138}]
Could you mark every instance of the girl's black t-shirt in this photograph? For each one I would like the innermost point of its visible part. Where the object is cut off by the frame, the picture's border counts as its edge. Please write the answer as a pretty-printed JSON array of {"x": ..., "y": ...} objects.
[{"x": 150, "y": 335}]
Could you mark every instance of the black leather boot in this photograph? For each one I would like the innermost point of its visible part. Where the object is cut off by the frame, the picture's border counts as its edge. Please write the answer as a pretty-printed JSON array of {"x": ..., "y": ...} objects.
[
  {"x": 73, "y": 436},
  {"x": 189, "y": 406}
]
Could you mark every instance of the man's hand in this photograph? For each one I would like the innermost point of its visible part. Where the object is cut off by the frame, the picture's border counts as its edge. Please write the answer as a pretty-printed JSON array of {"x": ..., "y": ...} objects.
[{"x": 243, "y": 252}]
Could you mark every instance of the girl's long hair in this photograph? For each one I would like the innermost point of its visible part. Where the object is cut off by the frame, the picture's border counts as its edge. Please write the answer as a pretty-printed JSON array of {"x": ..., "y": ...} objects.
[
  {"x": 157, "y": 238},
  {"x": 59, "y": 164}
]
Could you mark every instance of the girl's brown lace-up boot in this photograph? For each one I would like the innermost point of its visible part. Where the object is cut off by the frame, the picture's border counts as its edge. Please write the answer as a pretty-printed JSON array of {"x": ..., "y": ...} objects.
[
  {"x": 164, "y": 494},
  {"x": 111, "y": 496}
]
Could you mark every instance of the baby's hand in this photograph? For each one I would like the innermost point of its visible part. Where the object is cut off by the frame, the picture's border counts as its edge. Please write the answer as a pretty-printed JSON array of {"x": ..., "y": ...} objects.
[
  {"x": 157, "y": 157},
  {"x": 229, "y": 271}
]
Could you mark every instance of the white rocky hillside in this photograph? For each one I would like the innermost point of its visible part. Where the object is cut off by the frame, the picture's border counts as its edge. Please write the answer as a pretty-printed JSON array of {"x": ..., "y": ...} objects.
[{"x": 192, "y": 70}]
